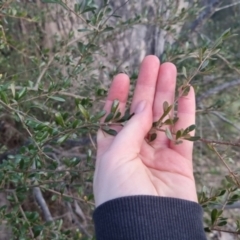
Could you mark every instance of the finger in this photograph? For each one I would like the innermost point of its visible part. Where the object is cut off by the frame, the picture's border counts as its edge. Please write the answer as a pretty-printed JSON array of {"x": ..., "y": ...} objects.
[
  {"x": 131, "y": 137},
  {"x": 146, "y": 83},
  {"x": 119, "y": 90},
  {"x": 165, "y": 91},
  {"x": 186, "y": 115}
]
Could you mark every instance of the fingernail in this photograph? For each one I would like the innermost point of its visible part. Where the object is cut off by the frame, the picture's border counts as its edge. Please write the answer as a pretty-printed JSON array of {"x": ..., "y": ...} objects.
[{"x": 140, "y": 107}]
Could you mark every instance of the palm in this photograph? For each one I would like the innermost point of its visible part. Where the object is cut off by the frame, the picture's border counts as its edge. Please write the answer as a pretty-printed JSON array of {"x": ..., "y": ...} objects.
[{"x": 127, "y": 164}]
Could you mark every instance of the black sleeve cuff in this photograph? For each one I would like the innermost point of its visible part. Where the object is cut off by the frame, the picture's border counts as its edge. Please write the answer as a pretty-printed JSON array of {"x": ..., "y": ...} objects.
[{"x": 149, "y": 217}]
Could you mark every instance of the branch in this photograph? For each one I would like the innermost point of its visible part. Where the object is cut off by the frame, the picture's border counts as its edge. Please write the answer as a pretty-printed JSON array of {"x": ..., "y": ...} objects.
[
  {"x": 235, "y": 144},
  {"x": 227, "y": 6},
  {"x": 225, "y": 120},
  {"x": 205, "y": 14},
  {"x": 42, "y": 203},
  {"x": 217, "y": 89}
]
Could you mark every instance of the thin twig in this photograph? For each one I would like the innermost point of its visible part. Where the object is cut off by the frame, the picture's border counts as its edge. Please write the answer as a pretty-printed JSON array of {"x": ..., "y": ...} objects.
[
  {"x": 226, "y": 165},
  {"x": 225, "y": 119},
  {"x": 235, "y": 144},
  {"x": 68, "y": 196},
  {"x": 227, "y": 6},
  {"x": 23, "y": 214}
]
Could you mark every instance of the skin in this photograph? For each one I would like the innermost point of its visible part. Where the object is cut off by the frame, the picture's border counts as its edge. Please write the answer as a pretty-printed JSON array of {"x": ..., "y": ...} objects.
[{"x": 126, "y": 164}]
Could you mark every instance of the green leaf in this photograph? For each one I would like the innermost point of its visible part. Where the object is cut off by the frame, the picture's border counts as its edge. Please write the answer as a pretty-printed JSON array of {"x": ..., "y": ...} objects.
[
  {"x": 193, "y": 139},
  {"x": 184, "y": 71},
  {"x": 4, "y": 97},
  {"x": 204, "y": 65},
  {"x": 22, "y": 93},
  {"x": 100, "y": 115},
  {"x": 214, "y": 215},
  {"x": 111, "y": 132},
  {"x": 167, "y": 110},
  {"x": 12, "y": 86},
  {"x": 178, "y": 134},
  {"x": 63, "y": 138},
  {"x": 115, "y": 105},
  {"x": 165, "y": 106},
  {"x": 222, "y": 223},
  {"x": 37, "y": 230},
  {"x": 75, "y": 162},
  {"x": 59, "y": 119},
  {"x": 75, "y": 123},
  {"x": 84, "y": 30},
  {"x": 152, "y": 137},
  {"x": 221, "y": 193},
  {"x": 168, "y": 122},
  {"x": 189, "y": 129},
  {"x": 83, "y": 111},
  {"x": 185, "y": 90},
  {"x": 126, "y": 117},
  {"x": 107, "y": 29},
  {"x": 109, "y": 117},
  {"x": 59, "y": 99},
  {"x": 117, "y": 116},
  {"x": 168, "y": 134}
]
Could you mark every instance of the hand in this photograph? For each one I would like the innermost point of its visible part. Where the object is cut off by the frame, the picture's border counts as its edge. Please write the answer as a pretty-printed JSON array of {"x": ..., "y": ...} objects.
[{"x": 126, "y": 164}]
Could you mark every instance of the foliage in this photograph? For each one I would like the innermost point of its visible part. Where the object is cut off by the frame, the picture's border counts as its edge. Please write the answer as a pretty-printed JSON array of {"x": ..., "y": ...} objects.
[{"x": 53, "y": 89}]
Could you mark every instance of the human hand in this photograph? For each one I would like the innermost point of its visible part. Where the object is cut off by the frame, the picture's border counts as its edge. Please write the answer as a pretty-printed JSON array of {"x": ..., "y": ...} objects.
[{"x": 126, "y": 164}]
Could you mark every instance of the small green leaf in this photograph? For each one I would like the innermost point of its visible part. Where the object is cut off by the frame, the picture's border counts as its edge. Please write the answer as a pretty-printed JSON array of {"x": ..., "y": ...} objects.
[
  {"x": 222, "y": 223},
  {"x": 22, "y": 93},
  {"x": 204, "y": 65},
  {"x": 37, "y": 230},
  {"x": 126, "y": 117},
  {"x": 168, "y": 134},
  {"x": 100, "y": 115},
  {"x": 63, "y": 138},
  {"x": 75, "y": 123},
  {"x": 59, "y": 119},
  {"x": 75, "y": 162},
  {"x": 178, "y": 134},
  {"x": 4, "y": 97},
  {"x": 111, "y": 132},
  {"x": 12, "y": 86},
  {"x": 193, "y": 139},
  {"x": 222, "y": 192},
  {"x": 166, "y": 109},
  {"x": 83, "y": 111},
  {"x": 84, "y": 30},
  {"x": 185, "y": 90},
  {"x": 115, "y": 105},
  {"x": 189, "y": 129},
  {"x": 214, "y": 215},
  {"x": 152, "y": 137},
  {"x": 117, "y": 116},
  {"x": 168, "y": 122},
  {"x": 165, "y": 106},
  {"x": 184, "y": 71},
  {"x": 107, "y": 29},
  {"x": 109, "y": 117}
]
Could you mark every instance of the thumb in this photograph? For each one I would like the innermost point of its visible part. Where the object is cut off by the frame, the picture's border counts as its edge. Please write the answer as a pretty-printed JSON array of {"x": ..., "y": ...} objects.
[{"x": 133, "y": 133}]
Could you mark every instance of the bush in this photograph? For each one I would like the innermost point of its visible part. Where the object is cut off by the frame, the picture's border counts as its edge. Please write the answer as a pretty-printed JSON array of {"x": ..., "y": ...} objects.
[{"x": 57, "y": 60}]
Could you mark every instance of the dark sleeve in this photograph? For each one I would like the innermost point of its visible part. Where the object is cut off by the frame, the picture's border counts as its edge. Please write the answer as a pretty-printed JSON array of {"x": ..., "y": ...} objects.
[{"x": 149, "y": 218}]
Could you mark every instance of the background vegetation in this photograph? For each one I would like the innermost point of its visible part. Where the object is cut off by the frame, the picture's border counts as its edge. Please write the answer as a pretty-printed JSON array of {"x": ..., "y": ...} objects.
[{"x": 57, "y": 59}]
